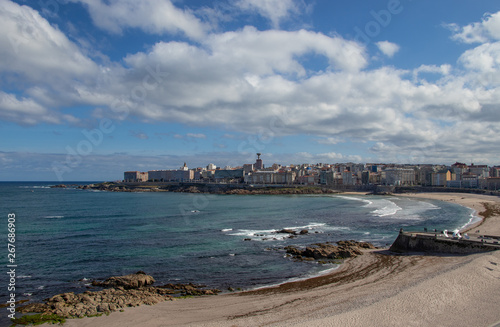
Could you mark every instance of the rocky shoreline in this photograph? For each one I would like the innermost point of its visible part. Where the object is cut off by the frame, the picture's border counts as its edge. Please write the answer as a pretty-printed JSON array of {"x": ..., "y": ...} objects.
[
  {"x": 327, "y": 252},
  {"x": 211, "y": 188},
  {"x": 120, "y": 292}
]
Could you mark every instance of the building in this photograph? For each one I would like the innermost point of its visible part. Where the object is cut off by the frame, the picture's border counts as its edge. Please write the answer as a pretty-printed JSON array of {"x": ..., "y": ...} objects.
[
  {"x": 482, "y": 171},
  {"x": 135, "y": 176},
  {"x": 271, "y": 177},
  {"x": 495, "y": 171},
  {"x": 229, "y": 175},
  {"x": 458, "y": 169},
  {"x": 441, "y": 177},
  {"x": 179, "y": 175},
  {"x": 493, "y": 183},
  {"x": 248, "y": 168},
  {"x": 398, "y": 176},
  {"x": 327, "y": 177}
]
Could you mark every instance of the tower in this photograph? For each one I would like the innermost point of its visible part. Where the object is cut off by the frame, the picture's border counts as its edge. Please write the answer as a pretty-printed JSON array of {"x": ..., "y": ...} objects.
[{"x": 258, "y": 162}]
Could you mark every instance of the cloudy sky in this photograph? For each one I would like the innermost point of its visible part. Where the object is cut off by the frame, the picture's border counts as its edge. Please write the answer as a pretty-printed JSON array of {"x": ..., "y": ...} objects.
[{"x": 91, "y": 88}]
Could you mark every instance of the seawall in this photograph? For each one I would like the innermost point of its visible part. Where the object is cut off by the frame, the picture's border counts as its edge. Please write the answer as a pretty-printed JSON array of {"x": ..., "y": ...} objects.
[{"x": 439, "y": 243}]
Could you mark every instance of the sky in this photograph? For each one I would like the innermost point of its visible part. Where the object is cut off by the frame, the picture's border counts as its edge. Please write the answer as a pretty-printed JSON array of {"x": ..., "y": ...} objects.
[{"x": 92, "y": 88}]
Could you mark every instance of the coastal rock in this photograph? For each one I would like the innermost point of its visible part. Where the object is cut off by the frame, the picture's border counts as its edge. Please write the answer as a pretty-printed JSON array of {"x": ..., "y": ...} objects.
[
  {"x": 321, "y": 251},
  {"x": 58, "y": 186},
  {"x": 131, "y": 281},
  {"x": 286, "y": 231},
  {"x": 138, "y": 292}
]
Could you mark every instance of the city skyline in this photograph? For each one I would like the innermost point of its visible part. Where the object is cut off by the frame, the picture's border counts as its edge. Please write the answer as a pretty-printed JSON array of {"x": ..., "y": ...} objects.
[{"x": 90, "y": 89}]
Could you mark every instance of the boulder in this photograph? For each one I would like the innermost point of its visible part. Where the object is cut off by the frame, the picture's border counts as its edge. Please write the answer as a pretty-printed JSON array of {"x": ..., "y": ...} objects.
[
  {"x": 137, "y": 280},
  {"x": 127, "y": 291},
  {"x": 286, "y": 231},
  {"x": 322, "y": 251},
  {"x": 33, "y": 307}
]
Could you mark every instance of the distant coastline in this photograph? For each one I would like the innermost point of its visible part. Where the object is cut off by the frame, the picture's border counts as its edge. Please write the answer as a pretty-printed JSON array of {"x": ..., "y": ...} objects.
[{"x": 270, "y": 189}]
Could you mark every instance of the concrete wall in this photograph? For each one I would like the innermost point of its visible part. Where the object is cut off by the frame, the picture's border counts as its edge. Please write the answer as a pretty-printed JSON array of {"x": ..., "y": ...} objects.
[{"x": 411, "y": 242}]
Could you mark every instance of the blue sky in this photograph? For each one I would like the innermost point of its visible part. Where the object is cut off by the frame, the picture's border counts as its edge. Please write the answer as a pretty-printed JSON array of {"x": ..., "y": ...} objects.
[{"x": 91, "y": 88}]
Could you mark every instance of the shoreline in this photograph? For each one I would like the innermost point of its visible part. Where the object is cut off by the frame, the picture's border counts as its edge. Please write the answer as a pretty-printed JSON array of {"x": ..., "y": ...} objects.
[
  {"x": 376, "y": 288},
  {"x": 490, "y": 225}
]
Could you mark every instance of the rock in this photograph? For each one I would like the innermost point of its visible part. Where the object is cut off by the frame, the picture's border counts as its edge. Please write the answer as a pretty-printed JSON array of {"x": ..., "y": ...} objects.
[
  {"x": 132, "y": 290},
  {"x": 58, "y": 186},
  {"x": 33, "y": 307},
  {"x": 286, "y": 231},
  {"x": 304, "y": 231},
  {"x": 322, "y": 251},
  {"x": 131, "y": 281}
]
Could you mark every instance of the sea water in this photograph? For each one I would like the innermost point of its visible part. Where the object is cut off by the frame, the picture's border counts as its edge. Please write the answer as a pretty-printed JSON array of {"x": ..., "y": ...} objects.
[{"x": 65, "y": 238}]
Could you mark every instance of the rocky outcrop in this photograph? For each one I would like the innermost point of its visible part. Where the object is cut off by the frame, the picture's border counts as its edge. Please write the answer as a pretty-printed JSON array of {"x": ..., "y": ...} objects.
[
  {"x": 292, "y": 232},
  {"x": 324, "y": 251},
  {"x": 125, "y": 291},
  {"x": 92, "y": 303},
  {"x": 137, "y": 280},
  {"x": 237, "y": 189}
]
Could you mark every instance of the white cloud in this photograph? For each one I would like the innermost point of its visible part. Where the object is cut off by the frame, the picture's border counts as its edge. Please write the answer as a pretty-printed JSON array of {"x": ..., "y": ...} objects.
[
  {"x": 271, "y": 51},
  {"x": 30, "y": 46},
  {"x": 254, "y": 82},
  {"x": 443, "y": 70},
  {"x": 329, "y": 140},
  {"x": 274, "y": 10},
  {"x": 387, "y": 48},
  {"x": 152, "y": 16},
  {"x": 38, "y": 59},
  {"x": 196, "y": 135},
  {"x": 479, "y": 32},
  {"x": 139, "y": 135},
  {"x": 485, "y": 57},
  {"x": 27, "y": 112}
]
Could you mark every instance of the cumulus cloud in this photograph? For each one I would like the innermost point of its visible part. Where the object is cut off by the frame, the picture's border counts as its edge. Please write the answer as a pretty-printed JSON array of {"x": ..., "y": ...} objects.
[
  {"x": 387, "y": 48},
  {"x": 27, "y": 112},
  {"x": 40, "y": 52},
  {"x": 251, "y": 81},
  {"x": 274, "y": 10},
  {"x": 488, "y": 29},
  {"x": 152, "y": 16}
]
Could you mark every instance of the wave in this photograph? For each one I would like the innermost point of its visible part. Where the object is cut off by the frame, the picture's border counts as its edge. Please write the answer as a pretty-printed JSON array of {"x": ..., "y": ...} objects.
[
  {"x": 226, "y": 230},
  {"x": 310, "y": 226},
  {"x": 474, "y": 218},
  {"x": 273, "y": 235},
  {"x": 53, "y": 217},
  {"x": 34, "y": 186},
  {"x": 253, "y": 232},
  {"x": 353, "y": 198},
  {"x": 384, "y": 208},
  {"x": 413, "y": 209}
]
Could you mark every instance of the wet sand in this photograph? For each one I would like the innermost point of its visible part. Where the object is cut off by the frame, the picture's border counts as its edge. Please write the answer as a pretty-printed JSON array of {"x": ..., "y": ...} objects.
[{"x": 375, "y": 289}]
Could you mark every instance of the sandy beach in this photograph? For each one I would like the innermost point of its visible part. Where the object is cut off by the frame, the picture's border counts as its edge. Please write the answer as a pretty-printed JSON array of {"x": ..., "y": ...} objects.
[{"x": 375, "y": 289}]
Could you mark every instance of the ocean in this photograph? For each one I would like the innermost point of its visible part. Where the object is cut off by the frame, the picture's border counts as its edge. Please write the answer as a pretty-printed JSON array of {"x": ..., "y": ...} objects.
[{"x": 65, "y": 238}]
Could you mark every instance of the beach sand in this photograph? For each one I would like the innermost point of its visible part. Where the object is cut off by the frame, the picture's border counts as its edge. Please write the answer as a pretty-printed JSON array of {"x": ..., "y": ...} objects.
[{"x": 375, "y": 289}]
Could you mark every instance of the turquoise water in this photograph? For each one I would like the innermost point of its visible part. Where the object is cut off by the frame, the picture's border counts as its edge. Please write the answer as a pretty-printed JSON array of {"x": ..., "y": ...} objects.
[{"x": 67, "y": 237}]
